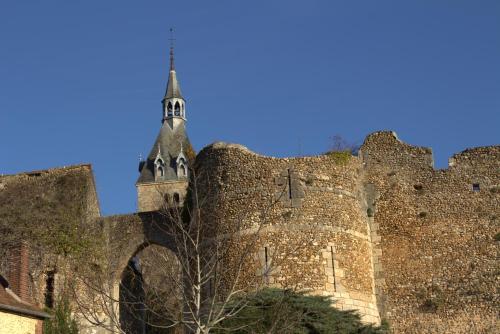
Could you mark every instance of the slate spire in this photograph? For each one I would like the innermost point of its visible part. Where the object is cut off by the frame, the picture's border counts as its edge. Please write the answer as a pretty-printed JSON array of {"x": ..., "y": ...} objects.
[
  {"x": 173, "y": 87},
  {"x": 172, "y": 152},
  {"x": 174, "y": 104}
]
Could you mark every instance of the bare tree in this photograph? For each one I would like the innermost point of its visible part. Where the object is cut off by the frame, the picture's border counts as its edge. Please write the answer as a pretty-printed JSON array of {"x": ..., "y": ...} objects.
[
  {"x": 196, "y": 285},
  {"x": 339, "y": 144}
]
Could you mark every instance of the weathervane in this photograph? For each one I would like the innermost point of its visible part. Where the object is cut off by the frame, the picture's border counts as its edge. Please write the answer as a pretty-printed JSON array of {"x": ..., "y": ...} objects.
[{"x": 171, "y": 39}]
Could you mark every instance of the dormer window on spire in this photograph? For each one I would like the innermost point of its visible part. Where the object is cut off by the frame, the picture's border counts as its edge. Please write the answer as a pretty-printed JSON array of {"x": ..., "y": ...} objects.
[
  {"x": 181, "y": 163},
  {"x": 159, "y": 168}
]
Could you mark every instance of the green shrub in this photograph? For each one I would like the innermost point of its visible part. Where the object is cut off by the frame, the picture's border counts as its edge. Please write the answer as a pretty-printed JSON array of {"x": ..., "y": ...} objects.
[
  {"x": 287, "y": 312},
  {"x": 340, "y": 157},
  {"x": 62, "y": 321}
]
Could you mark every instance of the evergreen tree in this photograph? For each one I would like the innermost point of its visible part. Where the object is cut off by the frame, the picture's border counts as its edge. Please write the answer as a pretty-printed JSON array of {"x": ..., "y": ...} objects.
[
  {"x": 62, "y": 321},
  {"x": 284, "y": 311}
]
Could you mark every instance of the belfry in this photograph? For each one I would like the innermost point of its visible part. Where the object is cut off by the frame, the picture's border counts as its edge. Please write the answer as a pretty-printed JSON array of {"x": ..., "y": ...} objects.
[{"x": 164, "y": 174}]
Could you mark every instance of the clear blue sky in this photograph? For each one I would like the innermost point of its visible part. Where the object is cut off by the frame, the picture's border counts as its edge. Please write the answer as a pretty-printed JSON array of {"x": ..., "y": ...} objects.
[{"x": 82, "y": 81}]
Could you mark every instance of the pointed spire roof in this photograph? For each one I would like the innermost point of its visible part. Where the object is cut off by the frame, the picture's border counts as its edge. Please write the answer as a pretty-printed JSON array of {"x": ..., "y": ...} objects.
[
  {"x": 173, "y": 87},
  {"x": 170, "y": 144}
]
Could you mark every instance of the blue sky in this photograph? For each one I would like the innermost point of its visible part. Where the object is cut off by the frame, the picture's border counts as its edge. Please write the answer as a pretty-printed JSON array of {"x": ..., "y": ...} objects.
[{"x": 81, "y": 82}]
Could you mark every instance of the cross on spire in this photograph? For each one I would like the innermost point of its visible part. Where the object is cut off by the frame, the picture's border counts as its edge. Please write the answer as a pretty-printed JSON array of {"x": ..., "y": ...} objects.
[{"x": 172, "y": 40}]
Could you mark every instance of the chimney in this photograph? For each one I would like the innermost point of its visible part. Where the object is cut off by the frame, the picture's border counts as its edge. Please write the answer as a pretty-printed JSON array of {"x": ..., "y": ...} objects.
[{"x": 18, "y": 271}]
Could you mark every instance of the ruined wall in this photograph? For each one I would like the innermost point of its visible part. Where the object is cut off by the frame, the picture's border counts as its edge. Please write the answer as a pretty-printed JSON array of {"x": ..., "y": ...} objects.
[
  {"x": 435, "y": 233},
  {"x": 314, "y": 229},
  {"x": 43, "y": 205}
]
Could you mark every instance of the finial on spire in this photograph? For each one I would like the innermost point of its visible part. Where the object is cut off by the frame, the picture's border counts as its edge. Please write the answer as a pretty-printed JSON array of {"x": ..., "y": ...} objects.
[{"x": 172, "y": 39}]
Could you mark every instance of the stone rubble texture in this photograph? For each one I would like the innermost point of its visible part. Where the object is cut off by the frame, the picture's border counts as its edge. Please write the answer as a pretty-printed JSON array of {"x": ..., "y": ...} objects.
[{"x": 383, "y": 232}]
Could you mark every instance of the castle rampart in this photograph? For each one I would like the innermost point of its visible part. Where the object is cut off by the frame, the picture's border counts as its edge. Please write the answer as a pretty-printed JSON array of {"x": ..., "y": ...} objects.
[
  {"x": 438, "y": 267},
  {"x": 384, "y": 232},
  {"x": 314, "y": 235}
]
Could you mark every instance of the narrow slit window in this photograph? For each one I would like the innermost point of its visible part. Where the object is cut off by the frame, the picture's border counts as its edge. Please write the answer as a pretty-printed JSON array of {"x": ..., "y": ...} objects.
[
  {"x": 332, "y": 253},
  {"x": 49, "y": 289},
  {"x": 266, "y": 265}
]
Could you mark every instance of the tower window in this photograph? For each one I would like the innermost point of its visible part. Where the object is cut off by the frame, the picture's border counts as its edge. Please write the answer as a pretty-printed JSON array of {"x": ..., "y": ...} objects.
[
  {"x": 177, "y": 198},
  {"x": 160, "y": 171},
  {"x": 169, "y": 109},
  {"x": 177, "y": 109},
  {"x": 475, "y": 187}
]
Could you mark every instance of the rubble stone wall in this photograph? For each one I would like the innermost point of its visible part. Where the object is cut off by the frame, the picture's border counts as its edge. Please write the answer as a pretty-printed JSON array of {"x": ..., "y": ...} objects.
[
  {"x": 438, "y": 267},
  {"x": 384, "y": 233},
  {"x": 314, "y": 231}
]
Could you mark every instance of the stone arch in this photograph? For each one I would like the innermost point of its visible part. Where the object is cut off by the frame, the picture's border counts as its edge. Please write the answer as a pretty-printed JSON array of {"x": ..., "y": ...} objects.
[
  {"x": 148, "y": 289},
  {"x": 129, "y": 237}
]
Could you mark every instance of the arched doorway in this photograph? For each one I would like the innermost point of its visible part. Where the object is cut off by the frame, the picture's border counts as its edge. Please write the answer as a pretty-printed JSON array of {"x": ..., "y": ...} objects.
[{"x": 150, "y": 296}]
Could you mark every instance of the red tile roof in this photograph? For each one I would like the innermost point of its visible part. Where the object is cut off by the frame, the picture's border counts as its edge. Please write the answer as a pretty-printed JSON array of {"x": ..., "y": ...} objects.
[{"x": 9, "y": 302}]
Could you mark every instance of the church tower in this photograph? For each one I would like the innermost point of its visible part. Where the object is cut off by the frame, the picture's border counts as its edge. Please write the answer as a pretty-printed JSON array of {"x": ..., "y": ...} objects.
[{"x": 164, "y": 174}]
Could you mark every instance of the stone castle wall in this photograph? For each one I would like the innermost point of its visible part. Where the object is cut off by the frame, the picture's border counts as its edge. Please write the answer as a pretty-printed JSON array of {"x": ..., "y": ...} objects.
[
  {"x": 384, "y": 233},
  {"x": 314, "y": 232},
  {"x": 438, "y": 270}
]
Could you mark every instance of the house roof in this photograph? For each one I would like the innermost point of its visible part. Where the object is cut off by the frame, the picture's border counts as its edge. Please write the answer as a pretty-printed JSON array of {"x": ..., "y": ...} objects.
[{"x": 11, "y": 303}]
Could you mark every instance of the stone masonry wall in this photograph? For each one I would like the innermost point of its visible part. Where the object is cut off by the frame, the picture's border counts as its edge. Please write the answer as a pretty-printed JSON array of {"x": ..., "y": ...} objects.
[
  {"x": 314, "y": 229},
  {"x": 436, "y": 258}
]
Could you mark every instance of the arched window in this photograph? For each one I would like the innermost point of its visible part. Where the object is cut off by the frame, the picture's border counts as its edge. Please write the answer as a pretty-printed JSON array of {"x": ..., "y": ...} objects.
[
  {"x": 160, "y": 171},
  {"x": 177, "y": 109},
  {"x": 169, "y": 109},
  {"x": 177, "y": 198}
]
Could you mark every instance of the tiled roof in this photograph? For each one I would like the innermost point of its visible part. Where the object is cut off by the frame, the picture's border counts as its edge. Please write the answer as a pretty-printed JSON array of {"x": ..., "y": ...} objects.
[{"x": 10, "y": 302}]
